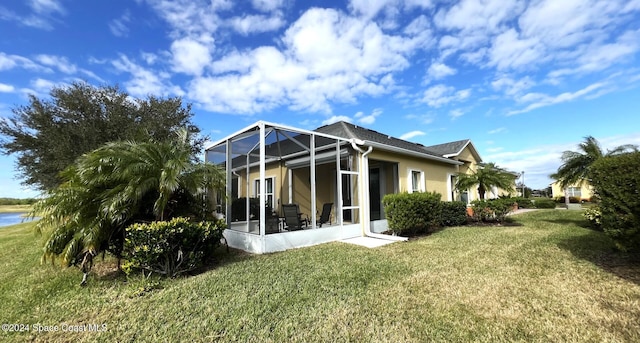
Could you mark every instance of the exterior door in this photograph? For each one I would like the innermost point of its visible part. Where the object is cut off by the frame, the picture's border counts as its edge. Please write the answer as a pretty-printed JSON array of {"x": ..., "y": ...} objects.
[{"x": 375, "y": 199}]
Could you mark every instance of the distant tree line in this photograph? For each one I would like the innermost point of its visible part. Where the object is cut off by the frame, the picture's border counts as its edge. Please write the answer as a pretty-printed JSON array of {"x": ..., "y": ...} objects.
[{"x": 13, "y": 201}]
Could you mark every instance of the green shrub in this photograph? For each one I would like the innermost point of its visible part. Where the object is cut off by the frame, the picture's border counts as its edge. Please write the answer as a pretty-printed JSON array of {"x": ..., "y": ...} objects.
[
  {"x": 616, "y": 180},
  {"x": 239, "y": 208},
  {"x": 412, "y": 212},
  {"x": 523, "y": 202},
  {"x": 454, "y": 213},
  {"x": 170, "y": 248},
  {"x": 545, "y": 203},
  {"x": 494, "y": 210},
  {"x": 594, "y": 216}
]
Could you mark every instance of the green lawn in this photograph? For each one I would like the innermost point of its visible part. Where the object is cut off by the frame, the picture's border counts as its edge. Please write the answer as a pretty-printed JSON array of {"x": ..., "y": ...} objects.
[{"x": 547, "y": 280}]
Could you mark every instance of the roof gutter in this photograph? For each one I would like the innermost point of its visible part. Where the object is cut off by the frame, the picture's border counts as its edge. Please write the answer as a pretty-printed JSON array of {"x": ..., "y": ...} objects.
[
  {"x": 364, "y": 195},
  {"x": 413, "y": 153}
]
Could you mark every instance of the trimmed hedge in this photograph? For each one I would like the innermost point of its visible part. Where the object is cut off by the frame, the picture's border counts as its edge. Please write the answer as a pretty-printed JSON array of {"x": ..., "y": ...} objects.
[
  {"x": 170, "y": 248},
  {"x": 616, "y": 180},
  {"x": 454, "y": 213},
  {"x": 410, "y": 213},
  {"x": 544, "y": 203},
  {"x": 523, "y": 202},
  {"x": 494, "y": 210}
]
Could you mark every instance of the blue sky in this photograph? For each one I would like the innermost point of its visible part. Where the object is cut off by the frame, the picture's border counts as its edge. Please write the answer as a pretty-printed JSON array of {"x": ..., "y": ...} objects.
[{"x": 524, "y": 80}]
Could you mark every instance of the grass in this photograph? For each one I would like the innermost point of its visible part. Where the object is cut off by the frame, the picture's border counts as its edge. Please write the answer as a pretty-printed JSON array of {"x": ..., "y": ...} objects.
[
  {"x": 549, "y": 279},
  {"x": 15, "y": 208}
]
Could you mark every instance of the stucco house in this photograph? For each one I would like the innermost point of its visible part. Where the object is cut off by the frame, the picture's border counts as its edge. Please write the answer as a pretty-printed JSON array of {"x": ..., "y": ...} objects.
[
  {"x": 342, "y": 167},
  {"x": 582, "y": 190}
]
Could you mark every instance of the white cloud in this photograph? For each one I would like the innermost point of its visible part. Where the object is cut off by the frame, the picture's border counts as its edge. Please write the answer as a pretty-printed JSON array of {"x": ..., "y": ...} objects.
[
  {"x": 5, "y": 88},
  {"x": 498, "y": 130},
  {"x": 325, "y": 56},
  {"x": 424, "y": 119},
  {"x": 335, "y": 119},
  {"x": 256, "y": 24},
  {"x": 190, "y": 56},
  {"x": 118, "y": 27},
  {"x": 566, "y": 23},
  {"x": 439, "y": 95},
  {"x": 144, "y": 82},
  {"x": 371, "y": 8},
  {"x": 439, "y": 71},
  {"x": 456, "y": 113},
  {"x": 543, "y": 100},
  {"x": 58, "y": 62},
  {"x": 267, "y": 5},
  {"x": 512, "y": 87},
  {"x": 149, "y": 58},
  {"x": 42, "y": 86},
  {"x": 191, "y": 18},
  {"x": 424, "y": 4},
  {"x": 368, "y": 119},
  {"x": 509, "y": 51},
  {"x": 486, "y": 16},
  {"x": 8, "y": 62},
  {"x": 46, "y": 6},
  {"x": 412, "y": 134}
]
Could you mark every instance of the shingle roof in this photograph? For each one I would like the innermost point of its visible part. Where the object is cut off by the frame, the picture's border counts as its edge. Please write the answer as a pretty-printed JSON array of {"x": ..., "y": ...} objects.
[
  {"x": 350, "y": 131},
  {"x": 450, "y": 148}
]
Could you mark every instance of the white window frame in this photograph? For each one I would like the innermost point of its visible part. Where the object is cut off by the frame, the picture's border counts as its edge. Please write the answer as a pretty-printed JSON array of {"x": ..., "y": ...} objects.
[
  {"x": 421, "y": 186},
  {"x": 272, "y": 194},
  {"x": 571, "y": 191}
]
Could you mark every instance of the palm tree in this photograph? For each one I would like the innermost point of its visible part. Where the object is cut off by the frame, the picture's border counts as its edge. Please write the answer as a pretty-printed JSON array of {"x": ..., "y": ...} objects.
[
  {"x": 576, "y": 164},
  {"x": 487, "y": 176},
  {"x": 119, "y": 184}
]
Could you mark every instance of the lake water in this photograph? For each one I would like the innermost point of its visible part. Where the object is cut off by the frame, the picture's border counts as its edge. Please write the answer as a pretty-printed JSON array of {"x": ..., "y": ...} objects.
[{"x": 7, "y": 219}]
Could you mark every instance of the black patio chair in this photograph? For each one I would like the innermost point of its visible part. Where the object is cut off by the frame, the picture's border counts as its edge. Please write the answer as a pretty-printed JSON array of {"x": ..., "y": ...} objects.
[
  {"x": 293, "y": 218},
  {"x": 325, "y": 217}
]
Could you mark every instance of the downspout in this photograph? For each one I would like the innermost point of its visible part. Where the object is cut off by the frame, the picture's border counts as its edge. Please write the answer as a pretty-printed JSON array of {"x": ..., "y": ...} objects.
[{"x": 364, "y": 196}]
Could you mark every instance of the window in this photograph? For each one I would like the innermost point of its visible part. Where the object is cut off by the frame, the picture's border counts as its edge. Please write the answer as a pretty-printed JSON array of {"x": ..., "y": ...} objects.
[
  {"x": 574, "y": 192},
  {"x": 417, "y": 181},
  {"x": 270, "y": 193}
]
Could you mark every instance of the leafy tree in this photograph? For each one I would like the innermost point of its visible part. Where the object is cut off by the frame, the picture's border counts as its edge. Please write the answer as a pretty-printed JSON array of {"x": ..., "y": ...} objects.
[
  {"x": 487, "y": 176},
  {"x": 48, "y": 135},
  {"x": 576, "y": 165},
  {"x": 117, "y": 185}
]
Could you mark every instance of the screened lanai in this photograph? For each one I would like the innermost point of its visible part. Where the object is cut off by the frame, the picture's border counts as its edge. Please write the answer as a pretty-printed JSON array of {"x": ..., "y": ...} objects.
[{"x": 272, "y": 170}]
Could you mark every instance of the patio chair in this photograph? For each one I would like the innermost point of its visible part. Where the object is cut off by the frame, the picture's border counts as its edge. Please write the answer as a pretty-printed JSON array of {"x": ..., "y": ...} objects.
[
  {"x": 293, "y": 218},
  {"x": 325, "y": 217}
]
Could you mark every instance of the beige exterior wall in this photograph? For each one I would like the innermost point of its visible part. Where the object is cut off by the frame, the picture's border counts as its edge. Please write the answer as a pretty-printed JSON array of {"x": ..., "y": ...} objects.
[
  {"x": 436, "y": 178},
  {"x": 301, "y": 185},
  {"x": 586, "y": 190},
  {"x": 435, "y": 174}
]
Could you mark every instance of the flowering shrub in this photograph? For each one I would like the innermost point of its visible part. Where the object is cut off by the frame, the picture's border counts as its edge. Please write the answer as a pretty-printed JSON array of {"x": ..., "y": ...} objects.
[
  {"x": 594, "y": 216},
  {"x": 170, "y": 247}
]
